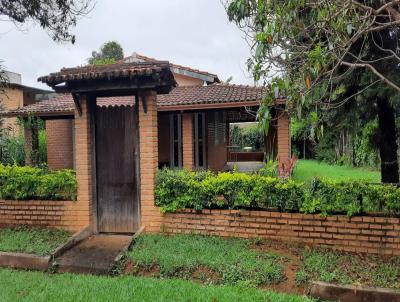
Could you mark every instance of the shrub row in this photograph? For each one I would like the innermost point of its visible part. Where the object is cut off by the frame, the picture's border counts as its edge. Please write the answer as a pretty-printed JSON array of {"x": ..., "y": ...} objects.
[
  {"x": 179, "y": 189},
  {"x": 24, "y": 183}
]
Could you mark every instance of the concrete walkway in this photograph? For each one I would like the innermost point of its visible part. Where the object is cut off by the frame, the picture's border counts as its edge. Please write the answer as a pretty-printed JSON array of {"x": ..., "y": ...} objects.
[{"x": 94, "y": 255}]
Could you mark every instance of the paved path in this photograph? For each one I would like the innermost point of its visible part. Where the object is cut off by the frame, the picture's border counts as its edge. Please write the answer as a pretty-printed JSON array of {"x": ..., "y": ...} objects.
[{"x": 94, "y": 255}]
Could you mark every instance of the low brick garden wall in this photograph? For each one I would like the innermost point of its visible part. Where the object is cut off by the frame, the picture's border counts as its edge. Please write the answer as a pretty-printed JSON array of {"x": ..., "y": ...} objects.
[
  {"x": 374, "y": 235},
  {"x": 70, "y": 215}
]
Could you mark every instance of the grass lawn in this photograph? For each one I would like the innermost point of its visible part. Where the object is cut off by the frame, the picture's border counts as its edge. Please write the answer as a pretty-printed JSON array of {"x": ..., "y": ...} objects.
[
  {"x": 344, "y": 268},
  {"x": 39, "y": 241},
  {"x": 35, "y": 286},
  {"x": 256, "y": 263},
  {"x": 306, "y": 170},
  {"x": 208, "y": 259}
]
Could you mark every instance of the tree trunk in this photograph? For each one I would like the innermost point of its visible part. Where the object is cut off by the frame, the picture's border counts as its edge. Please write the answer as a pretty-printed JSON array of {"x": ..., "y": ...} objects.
[{"x": 387, "y": 142}]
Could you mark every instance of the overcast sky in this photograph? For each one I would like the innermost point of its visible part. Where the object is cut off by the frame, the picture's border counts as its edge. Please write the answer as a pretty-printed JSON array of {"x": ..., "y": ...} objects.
[{"x": 194, "y": 33}]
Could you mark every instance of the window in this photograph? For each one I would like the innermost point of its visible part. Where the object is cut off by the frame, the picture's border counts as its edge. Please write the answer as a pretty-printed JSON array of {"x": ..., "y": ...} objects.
[
  {"x": 175, "y": 127},
  {"x": 199, "y": 135}
]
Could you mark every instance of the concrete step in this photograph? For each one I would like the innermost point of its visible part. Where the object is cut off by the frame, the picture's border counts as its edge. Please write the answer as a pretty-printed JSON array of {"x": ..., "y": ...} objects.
[{"x": 94, "y": 255}]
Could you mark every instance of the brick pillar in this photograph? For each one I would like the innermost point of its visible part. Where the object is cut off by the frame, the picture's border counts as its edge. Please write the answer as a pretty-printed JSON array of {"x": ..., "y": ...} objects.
[
  {"x": 83, "y": 207},
  {"x": 59, "y": 144},
  {"x": 187, "y": 141},
  {"x": 283, "y": 135},
  {"x": 148, "y": 141}
]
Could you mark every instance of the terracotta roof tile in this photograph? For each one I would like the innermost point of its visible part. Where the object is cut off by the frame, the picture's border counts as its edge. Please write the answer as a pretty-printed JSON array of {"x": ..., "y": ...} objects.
[
  {"x": 216, "y": 93},
  {"x": 179, "y": 97},
  {"x": 111, "y": 71},
  {"x": 138, "y": 57}
]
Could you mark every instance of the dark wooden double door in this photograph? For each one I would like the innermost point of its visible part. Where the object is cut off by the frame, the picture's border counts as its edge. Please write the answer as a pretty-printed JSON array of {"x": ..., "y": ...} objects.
[{"x": 116, "y": 169}]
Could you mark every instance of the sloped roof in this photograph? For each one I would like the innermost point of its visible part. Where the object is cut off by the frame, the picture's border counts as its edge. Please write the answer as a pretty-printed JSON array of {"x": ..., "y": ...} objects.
[
  {"x": 111, "y": 71},
  {"x": 209, "y": 77},
  {"x": 180, "y": 98}
]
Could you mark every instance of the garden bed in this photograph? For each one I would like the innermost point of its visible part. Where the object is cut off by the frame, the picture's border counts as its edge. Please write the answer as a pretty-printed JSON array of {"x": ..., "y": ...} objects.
[{"x": 258, "y": 263}]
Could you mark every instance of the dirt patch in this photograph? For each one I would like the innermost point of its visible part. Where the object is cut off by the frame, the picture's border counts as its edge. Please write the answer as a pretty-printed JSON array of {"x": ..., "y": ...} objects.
[
  {"x": 292, "y": 262},
  {"x": 204, "y": 274},
  {"x": 132, "y": 269}
]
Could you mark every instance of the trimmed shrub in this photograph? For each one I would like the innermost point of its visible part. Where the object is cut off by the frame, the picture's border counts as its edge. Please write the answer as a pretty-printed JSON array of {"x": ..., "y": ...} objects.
[
  {"x": 179, "y": 189},
  {"x": 351, "y": 197},
  {"x": 24, "y": 183}
]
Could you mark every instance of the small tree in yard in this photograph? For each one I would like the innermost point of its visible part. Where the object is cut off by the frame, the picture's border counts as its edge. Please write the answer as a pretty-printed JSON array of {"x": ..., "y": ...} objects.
[
  {"x": 109, "y": 53},
  {"x": 321, "y": 50}
]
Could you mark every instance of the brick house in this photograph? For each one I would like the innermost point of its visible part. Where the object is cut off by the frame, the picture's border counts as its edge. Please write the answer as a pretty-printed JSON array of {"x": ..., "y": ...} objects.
[
  {"x": 16, "y": 95},
  {"x": 117, "y": 124}
]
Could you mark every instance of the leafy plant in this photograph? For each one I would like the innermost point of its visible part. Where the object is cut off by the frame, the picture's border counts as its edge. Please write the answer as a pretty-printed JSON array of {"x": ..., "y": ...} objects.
[
  {"x": 22, "y": 183},
  {"x": 179, "y": 189}
]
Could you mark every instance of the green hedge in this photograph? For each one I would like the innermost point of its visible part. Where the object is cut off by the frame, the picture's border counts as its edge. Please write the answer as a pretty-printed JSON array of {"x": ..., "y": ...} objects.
[
  {"x": 24, "y": 183},
  {"x": 179, "y": 189}
]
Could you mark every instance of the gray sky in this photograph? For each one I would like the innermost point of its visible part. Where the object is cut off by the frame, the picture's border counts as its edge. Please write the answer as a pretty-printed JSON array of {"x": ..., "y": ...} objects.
[{"x": 194, "y": 33}]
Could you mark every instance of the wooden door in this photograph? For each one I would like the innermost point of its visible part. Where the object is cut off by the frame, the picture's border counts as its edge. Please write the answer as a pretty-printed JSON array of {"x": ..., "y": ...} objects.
[{"x": 117, "y": 186}]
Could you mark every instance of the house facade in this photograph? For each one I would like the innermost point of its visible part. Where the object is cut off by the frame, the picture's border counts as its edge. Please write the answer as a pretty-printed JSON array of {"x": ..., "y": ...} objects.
[
  {"x": 117, "y": 124},
  {"x": 193, "y": 122}
]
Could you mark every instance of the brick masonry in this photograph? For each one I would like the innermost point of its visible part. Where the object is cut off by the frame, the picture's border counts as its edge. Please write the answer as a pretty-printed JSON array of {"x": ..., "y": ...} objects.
[
  {"x": 58, "y": 214},
  {"x": 283, "y": 135},
  {"x": 374, "y": 235},
  {"x": 187, "y": 141},
  {"x": 59, "y": 144},
  {"x": 83, "y": 213},
  {"x": 148, "y": 137}
]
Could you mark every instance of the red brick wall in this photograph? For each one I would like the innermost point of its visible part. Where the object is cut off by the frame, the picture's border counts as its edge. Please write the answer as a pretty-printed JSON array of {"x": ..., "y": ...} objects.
[
  {"x": 58, "y": 214},
  {"x": 283, "y": 135},
  {"x": 148, "y": 137},
  {"x": 59, "y": 144},
  {"x": 83, "y": 213},
  {"x": 375, "y": 235},
  {"x": 187, "y": 141}
]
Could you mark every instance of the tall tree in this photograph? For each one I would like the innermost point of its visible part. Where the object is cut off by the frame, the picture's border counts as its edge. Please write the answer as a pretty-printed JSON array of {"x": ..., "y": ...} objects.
[
  {"x": 316, "y": 46},
  {"x": 110, "y": 52}
]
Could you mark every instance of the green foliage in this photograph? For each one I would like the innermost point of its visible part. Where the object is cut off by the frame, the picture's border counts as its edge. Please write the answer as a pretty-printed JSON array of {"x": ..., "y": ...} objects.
[
  {"x": 249, "y": 136},
  {"x": 12, "y": 149},
  {"x": 270, "y": 169},
  {"x": 24, "y": 183},
  {"x": 355, "y": 197},
  {"x": 54, "y": 16},
  {"x": 39, "y": 241},
  {"x": 232, "y": 260},
  {"x": 42, "y": 147},
  {"x": 110, "y": 52},
  {"x": 342, "y": 268},
  {"x": 37, "y": 286},
  {"x": 179, "y": 189}
]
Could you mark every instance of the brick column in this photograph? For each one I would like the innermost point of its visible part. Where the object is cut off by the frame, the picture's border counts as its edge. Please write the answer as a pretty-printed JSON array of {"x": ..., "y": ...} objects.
[
  {"x": 187, "y": 141},
  {"x": 148, "y": 137},
  {"x": 84, "y": 205},
  {"x": 59, "y": 144},
  {"x": 283, "y": 135}
]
